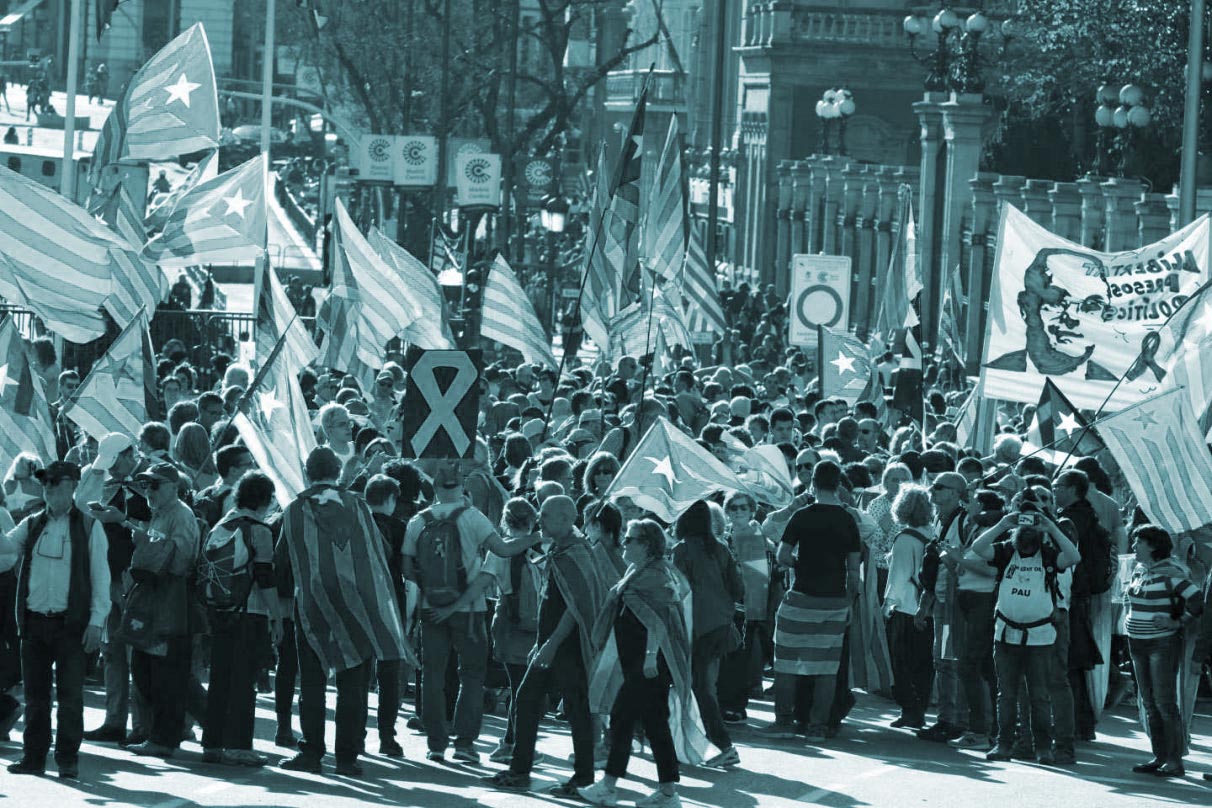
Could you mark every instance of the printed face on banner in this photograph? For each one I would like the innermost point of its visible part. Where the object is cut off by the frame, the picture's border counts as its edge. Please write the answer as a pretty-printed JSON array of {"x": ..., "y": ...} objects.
[{"x": 1060, "y": 310}]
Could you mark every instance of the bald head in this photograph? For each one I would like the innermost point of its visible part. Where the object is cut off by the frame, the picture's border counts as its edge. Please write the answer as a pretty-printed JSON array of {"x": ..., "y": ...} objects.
[{"x": 559, "y": 516}]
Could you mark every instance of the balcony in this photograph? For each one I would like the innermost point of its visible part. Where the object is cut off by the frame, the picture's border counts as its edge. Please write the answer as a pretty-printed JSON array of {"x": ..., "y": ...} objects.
[{"x": 668, "y": 89}]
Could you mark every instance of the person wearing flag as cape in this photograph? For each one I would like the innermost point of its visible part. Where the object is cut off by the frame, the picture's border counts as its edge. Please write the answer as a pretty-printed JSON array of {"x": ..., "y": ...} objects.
[
  {"x": 346, "y": 613},
  {"x": 643, "y": 673},
  {"x": 563, "y": 654}
]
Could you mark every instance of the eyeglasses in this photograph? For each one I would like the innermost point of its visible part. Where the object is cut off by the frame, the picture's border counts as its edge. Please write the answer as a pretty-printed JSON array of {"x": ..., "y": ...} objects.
[
  {"x": 151, "y": 485},
  {"x": 736, "y": 508},
  {"x": 941, "y": 487}
]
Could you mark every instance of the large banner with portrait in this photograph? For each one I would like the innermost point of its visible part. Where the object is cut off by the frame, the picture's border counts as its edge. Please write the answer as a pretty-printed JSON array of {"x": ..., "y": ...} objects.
[{"x": 1063, "y": 311}]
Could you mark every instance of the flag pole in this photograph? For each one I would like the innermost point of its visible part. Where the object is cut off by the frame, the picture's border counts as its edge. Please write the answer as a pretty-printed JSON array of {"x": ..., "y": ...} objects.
[
  {"x": 67, "y": 176},
  {"x": 1190, "y": 143},
  {"x": 267, "y": 76},
  {"x": 256, "y": 382},
  {"x": 593, "y": 246}
]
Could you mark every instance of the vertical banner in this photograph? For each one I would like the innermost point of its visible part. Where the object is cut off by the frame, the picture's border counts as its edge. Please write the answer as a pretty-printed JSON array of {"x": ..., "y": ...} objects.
[
  {"x": 416, "y": 161},
  {"x": 376, "y": 158},
  {"x": 441, "y": 404},
  {"x": 478, "y": 181}
]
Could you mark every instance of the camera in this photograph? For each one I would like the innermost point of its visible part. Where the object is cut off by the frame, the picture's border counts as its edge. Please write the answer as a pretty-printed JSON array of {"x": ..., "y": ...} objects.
[{"x": 1028, "y": 519}]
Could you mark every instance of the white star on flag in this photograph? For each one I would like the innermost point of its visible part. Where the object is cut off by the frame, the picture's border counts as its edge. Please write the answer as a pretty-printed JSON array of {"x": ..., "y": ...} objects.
[
  {"x": 664, "y": 468},
  {"x": 268, "y": 402},
  {"x": 236, "y": 204},
  {"x": 843, "y": 363},
  {"x": 1068, "y": 422},
  {"x": 6, "y": 382},
  {"x": 180, "y": 91}
]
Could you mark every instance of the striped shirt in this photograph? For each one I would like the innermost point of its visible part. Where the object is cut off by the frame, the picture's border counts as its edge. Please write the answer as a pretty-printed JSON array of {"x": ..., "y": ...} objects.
[{"x": 1150, "y": 594}]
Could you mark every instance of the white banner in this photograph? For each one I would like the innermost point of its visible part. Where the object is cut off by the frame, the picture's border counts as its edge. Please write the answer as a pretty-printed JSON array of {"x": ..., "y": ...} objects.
[
  {"x": 478, "y": 180},
  {"x": 1080, "y": 317},
  {"x": 416, "y": 163},
  {"x": 376, "y": 161}
]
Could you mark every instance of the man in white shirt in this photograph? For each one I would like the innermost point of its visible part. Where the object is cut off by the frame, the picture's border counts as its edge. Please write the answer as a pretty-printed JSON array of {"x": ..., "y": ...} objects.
[{"x": 62, "y": 604}]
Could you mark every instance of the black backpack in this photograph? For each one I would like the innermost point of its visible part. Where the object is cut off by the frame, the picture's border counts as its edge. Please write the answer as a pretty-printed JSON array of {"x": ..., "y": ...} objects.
[
  {"x": 440, "y": 571},
  {"x": 1099, "y": 564}
]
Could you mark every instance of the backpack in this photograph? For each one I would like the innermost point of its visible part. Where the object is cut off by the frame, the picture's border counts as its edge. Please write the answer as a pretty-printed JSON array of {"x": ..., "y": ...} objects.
[
  {"x": 928, "y": 545},
  {"x": 224, "y": 573},
  {"x": 927, "y": 574},
  {"x": 439, "y": 560},
  {"x": 1029, "y": 611},
  {"x": 1099, "y": 564}
]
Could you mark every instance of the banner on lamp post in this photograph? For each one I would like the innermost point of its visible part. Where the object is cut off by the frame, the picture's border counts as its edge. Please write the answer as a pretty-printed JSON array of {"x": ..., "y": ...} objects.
[
  {"x": 416, "y": 161},
  {"x": 478, "y": 181},
  {"x": 376, "y": 158},
  {"x": 456, "y": 149},
  {"x": 538, "y": 174}
]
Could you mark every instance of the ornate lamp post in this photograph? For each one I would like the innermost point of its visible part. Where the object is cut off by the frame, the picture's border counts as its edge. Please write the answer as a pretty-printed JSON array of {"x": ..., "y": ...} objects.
[
  {"x": 955, "y": 64},
  {"x": 836, "y": 105},
  {"x": 1131, "y": 115},
  {"x": 553, "y": 215}
]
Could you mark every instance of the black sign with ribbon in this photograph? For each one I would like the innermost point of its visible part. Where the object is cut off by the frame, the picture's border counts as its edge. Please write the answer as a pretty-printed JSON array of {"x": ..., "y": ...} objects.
[{"x": 441, "y": 404}]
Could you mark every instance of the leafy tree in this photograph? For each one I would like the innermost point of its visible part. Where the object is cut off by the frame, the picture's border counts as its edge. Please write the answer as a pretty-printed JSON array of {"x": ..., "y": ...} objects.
[{"x": 1062, "y": 52}]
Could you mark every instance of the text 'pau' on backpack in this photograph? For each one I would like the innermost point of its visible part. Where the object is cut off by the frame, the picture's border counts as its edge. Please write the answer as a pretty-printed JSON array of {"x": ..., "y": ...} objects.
[
  {"x": 225, "y": 570},
  {"x": 440, "y": 571}
]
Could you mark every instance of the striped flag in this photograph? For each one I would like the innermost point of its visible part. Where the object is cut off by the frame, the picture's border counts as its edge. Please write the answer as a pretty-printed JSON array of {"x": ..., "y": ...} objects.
[
  {"x": 664, "y": 231},
  {"x": 965, "y": 418},
  {"x": 620, "y": 230},
  {"x": 274, "y": 422},
  {"x": 509, "y": 317},
  {"x": 668, "y": 471},
  {"x": 629, "y": 332},
  {"x": 1162, "y": 454},
  {"x": 137, "y": 284},
  {"x": 222, "y": 221},
  {"x": 1178, "y": 351},
  {"x": 844, "y": 365},
  {"x": 339, "y": 318},
  {"x": 599, "y": 298},
  {"x": 902, "y": 283},
  {"x": 25, "y": 424},
  {"x": 907, "y": 386},
  {"x": 699, "y": 293},
  {"x": 57, "y": 259},
  {"x": 950, "y": 337},
  {"x": 161, "y": 206},
  {"x": 670, "y": 322},
  {"x": 276, "y": 316},
  {"x": 170, "y": 107},
  {"x": 418, "y": 292},
  {"x": 119, "y": 394}
]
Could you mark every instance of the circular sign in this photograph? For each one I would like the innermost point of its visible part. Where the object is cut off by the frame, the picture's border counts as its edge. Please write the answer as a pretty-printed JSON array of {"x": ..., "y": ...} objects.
[
  {"x": 476, "y": 170},
  {"x": 414, "y": 152},
  {"x": 819, "y": 305},
  {"x": 538, "y": 173},
  {"x": 379, "y": 150}
]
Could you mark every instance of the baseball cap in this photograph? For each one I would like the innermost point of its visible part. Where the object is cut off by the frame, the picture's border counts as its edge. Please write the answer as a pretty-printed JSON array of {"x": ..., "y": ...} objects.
[
  {"x": 160, "y": 472},
  {"x": 58, "y": 471}
]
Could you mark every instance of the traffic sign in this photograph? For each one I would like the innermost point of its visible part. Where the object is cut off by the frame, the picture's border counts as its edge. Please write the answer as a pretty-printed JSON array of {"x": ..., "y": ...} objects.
[{"x": 820, "y": 296}]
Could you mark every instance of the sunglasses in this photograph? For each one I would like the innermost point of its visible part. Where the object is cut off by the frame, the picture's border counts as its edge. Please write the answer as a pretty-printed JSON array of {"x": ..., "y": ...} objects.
[
  {"x": 803, "y": 466},
  {"x": 736, "y": 508},
  {"x": 151, "y": 485}
]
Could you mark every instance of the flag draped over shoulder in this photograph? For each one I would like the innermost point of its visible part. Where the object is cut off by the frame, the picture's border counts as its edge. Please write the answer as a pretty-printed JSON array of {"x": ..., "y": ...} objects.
[
  {"x": 699, "y": 293},
  {"x": 170, "y": 106},
  {"x": 1162, "y": 454},
  {"x": 119, "y": 394},
  {"x": 429, "y": 328},
  {"x": 1059, "y": 426},
  {"x": 845, "y": 367},
  {"x": 1087, "y": 319},
  {"x": 667, "y": 472},
  {"x": 25, "y": 424},
  {"x": 222, "y": 221},
  {"x": 345, "y": 600},
  {"x": 56, "y": 258},
  {"x": 510, "y": 319},
  {"x": 137, "y": 284},
  {"x": 274, "y": 423}
]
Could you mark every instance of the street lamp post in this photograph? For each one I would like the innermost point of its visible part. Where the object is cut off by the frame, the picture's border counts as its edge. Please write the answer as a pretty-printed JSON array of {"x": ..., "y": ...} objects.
[
  {"x": 1104, "y": 118},
  {"x": 553, "y": 215},
  {"x": 955, "y": 63},
  {"x": 1129, "y": 116},
  {"x": 835, "y": 105}
]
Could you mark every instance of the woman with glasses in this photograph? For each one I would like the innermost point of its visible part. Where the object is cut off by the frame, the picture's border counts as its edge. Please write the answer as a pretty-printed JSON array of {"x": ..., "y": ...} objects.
[
  {"x": 1161, "y": 602},
  {"x": 741, "y": 670},
  {"x": 644, "y": 676}
]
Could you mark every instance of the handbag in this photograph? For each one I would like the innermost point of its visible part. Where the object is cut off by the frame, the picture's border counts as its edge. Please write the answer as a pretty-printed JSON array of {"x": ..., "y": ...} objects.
[
  {"x": 137, "y": 627},
  {"x": 153, "y": 556}
]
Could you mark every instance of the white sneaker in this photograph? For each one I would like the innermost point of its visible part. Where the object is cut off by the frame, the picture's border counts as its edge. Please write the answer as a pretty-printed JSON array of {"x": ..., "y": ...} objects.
[
  {"x": 599, "y": 794},
  {"x": 969, "y": 740},
  {"x": 659, "y": 799},
  {"x": 502, "y": 754},
  {"x": 729, "y": 757}
]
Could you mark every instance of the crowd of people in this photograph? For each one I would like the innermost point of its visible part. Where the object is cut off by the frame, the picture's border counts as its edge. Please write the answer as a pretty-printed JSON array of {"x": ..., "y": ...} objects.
[{"x": 905, "y": 565}]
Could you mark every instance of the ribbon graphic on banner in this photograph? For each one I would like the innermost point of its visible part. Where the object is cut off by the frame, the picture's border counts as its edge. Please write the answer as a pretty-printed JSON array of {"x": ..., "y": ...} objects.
[{"x": 442, "y": 405}]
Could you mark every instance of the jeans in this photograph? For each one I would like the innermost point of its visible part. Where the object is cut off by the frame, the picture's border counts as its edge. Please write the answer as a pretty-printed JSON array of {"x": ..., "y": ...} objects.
[
  {"x": 388, "y": 676},
  {"x": 567, "y": 675},
  {"x": 912, "y": 665},
  {"x": 786, "y": 689},
  {"x": 1013, "y": 663},
  {"x": 705, "y": 675},
  {"x": 231, "y": 698},
  {"x": 742, "y": 669},
  {"x": 946, "y": 671},
  {"x": 1156, "y": 664},
  {"x": 976, "y": 674},
  {"x": 352, "y": 684},
  {"x": 516, "y": 674},
  {"x": 164, "y": 681},
  {"x": 465, "y": 635},
  {"x": 1059, "y": 690},
  {"x": 47, "y": 644},
  {"x": 285, "y": 675},
  {"x": 643, "y": 701}
]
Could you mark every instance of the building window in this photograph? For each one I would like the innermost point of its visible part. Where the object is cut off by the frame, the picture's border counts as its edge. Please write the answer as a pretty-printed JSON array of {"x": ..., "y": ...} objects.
[
  {"x": 14, "y": 164},
  {"x": 48, "y": 168}
]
